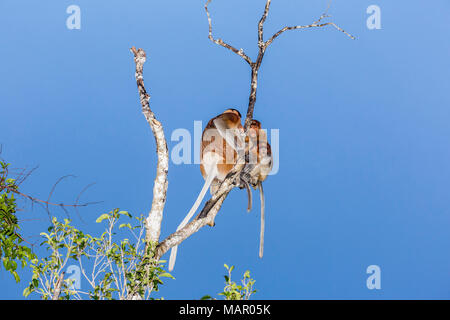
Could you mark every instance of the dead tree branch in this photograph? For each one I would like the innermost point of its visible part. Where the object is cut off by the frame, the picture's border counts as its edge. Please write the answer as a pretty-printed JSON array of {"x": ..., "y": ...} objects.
[
  {"x": 263, "y": 45},
  {"x": 220, "y": 42},
  {"x": 23, "y": 174},
  {"x": 154, "y": 219}
]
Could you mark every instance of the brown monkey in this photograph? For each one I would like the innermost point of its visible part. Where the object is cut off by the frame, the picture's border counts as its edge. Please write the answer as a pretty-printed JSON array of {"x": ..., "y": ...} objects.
[{"x": 221, "y": 143}]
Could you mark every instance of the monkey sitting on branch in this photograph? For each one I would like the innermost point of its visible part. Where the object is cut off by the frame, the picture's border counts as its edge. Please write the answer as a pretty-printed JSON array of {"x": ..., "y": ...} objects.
[{"x": 222, "y": 143}]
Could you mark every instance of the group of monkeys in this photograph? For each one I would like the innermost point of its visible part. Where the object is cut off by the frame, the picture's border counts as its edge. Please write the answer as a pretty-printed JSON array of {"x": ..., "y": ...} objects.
[{"x": 224, "y": 143}]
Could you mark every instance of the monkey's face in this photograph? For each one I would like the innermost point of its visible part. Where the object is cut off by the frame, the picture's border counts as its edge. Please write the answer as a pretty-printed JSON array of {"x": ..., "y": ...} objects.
[{"x": 255, "y": 126}]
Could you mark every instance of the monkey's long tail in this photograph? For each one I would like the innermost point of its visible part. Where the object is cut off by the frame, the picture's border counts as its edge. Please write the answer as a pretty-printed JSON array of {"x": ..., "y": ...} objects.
[
  {"x": 261, "y": 236},
  {"x": 212, "y": 174}
]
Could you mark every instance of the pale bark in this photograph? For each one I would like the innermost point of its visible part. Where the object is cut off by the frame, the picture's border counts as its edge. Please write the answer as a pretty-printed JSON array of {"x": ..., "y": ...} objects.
[{"x": 154, "y": 219}]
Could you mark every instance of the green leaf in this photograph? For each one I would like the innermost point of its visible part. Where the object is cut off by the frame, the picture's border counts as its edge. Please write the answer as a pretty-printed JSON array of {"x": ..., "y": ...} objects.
[
  {"x": 6, "y": 263},
  {"x": 13, "y": 265},
  {"x": 16, "y": 276},
  {"x": 102, "y": 217},
  {"x": 126, "y": 213},
  {"x": 26, "y": 292}
]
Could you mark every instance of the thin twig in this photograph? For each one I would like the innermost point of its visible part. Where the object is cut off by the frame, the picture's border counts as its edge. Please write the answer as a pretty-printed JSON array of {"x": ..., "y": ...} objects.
[
  {"x": 261, "y": 24},
  {"x": 313, "y": 25},
  {"x": 78, "y": 198},
  {"x": 220, "y": 42}
]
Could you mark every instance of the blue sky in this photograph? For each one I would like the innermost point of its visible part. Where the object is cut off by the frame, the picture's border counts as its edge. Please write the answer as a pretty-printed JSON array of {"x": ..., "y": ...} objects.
[{"x": 364, "y": 173}]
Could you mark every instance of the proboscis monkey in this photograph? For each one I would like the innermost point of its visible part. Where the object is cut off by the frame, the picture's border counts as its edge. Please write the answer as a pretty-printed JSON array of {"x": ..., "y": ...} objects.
[
  {"x": 258, "y": 166},
  {"x": 222, "y": 140}
]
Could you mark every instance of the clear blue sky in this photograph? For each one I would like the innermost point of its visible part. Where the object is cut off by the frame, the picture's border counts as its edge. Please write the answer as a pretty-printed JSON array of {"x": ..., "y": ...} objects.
[{"x": 364, "y": 135}]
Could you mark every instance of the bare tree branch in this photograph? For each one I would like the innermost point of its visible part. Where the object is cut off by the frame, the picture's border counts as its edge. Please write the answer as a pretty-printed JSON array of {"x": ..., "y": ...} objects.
[
  {"x": 220, "y": 41},
  {"x": 154, "y": 219},
  {"x": 53, "y": 190},
  {"x": 23, "y": 174},
  {"x": 313, "y": 25},
  {"x": 78, "y": 198},
  {"x": 42, "y": 202},
  {"x": 262, "y": 49},
  {"x": 261, "y": 24}
]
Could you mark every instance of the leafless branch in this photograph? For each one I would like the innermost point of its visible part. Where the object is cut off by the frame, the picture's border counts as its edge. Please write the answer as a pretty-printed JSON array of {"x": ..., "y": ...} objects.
[
  {"x": 153, "y": 222},
  {"x": 313, "y": 25},
  {"x": 53, "y": 190},
  {"x": 261, "y": 24},
  {"x": 263, "y": 46},
  {"x": 47, "y": 203},
  {"x": 220, "y": 42},
  {"x": 20, "y": 175},
  {"x": 24, "y": 175},
  {"x": 78, "y": 199}
]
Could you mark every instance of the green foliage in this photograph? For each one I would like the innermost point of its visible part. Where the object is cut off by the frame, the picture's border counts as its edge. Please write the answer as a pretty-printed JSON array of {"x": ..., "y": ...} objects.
[
  {"x": 121, "y": 269},
  {"x": 234, "y": 291},
  {"x": 12, "y": 251}
]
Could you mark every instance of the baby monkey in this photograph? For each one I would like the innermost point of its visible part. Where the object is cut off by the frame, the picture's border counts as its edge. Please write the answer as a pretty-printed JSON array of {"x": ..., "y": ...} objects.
[{"x": 258, "y": 166}]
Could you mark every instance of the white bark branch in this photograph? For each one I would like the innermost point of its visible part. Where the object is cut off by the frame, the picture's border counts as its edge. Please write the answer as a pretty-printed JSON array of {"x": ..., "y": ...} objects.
[{"x": 154, "y": 219}]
